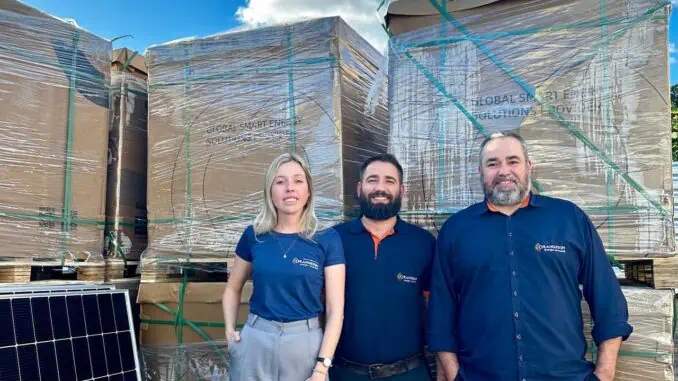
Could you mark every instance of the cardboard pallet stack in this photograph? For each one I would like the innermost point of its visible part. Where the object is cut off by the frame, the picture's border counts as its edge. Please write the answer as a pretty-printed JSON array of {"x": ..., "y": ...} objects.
[
  {"x": 221, "y": 108},
  {"x": 204, "y": 350},
  {"x": 648, "y": 355},
  {"x": 54, "y": 119},
  {"x": 585, "y": 83}
]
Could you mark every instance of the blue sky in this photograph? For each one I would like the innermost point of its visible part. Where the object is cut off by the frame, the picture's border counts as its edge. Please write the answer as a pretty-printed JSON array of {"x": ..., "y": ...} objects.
[
  {"x": 149, "y": 21},
  {"x": 158, "y": 21},
  {"x": 673, "y": 37}
]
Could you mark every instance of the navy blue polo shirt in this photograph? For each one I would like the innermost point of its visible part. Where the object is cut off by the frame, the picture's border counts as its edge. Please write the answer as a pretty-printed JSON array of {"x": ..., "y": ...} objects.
[
  {"x": 505, "y": 293},
  {"x": 385, "y": 307},
  {"x": 288, "y": 272}
]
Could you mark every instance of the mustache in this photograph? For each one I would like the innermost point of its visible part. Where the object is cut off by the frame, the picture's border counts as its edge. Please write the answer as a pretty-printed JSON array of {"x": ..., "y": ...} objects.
[
  {"x": 499, "y": 178},
  {"x": 380, "y": 194}
]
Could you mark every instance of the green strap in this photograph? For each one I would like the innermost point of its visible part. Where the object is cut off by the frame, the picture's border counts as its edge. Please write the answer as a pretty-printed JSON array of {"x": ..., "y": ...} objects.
[
  {"x": 381, "y": 5},
  {"x": 451, "y": 98},
  {"x": 129, "y": 61},
  {"x": 206, "y": 324},
  {"x": 121, "y": 37},
  {"x": 552, "y": 110},
  {"x": 189, "y": 212},
  {"x": 441, "y": 120},
  {"x": 249, "y": 217},
  {"x": 290, "y": 79},
  {"x": 443, "y": 90},
  {"x": 179, "y": 318},
  {"x": 609, "y": 128},
  {"x": 118, "y": 249},
  {"x": 658, "y": 355},
  {"x": 66, "y": 226},
  {"x": 194, "y": 326},
  {"x": 675, "y": 316},
  {"x": 179, "y": 321}
]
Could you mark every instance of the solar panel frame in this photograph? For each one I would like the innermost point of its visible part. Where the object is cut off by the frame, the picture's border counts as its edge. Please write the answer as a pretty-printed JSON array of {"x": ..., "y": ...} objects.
[
  {"x": 51, "y": 289},
  {"x": 25, "y": 348}
]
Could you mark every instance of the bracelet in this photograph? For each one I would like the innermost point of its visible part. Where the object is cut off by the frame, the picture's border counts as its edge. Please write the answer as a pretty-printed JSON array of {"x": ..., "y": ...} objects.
[{"x": 319, "y": 371}]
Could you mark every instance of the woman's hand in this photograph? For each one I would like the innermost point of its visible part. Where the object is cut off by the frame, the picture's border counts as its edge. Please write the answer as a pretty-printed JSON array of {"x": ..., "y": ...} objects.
[
  {"x": 318, "y": 375},
  {"x": 232, "y": 336}
]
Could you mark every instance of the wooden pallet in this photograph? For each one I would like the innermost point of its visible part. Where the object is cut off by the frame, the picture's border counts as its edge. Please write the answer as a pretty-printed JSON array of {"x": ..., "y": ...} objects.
[
  {"x": 195, "y": 270},
  {"x": 26, "y": 271},
  {"x": 119, "y": 269},
  {"x": 658, "y": 273}
]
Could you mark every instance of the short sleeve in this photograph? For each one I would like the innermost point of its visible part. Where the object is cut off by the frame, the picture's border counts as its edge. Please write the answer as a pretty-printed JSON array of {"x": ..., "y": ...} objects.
[
  {"x": 334, "y": 249},
  {"x": 244, "y": 248}
]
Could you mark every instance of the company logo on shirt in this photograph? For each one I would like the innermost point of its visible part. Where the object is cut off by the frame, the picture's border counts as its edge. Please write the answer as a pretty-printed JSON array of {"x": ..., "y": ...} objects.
[
  {"x": 407, "y": 279},
  {"x": 549, "y": 248},
  {"x": 303, "y": 262}
]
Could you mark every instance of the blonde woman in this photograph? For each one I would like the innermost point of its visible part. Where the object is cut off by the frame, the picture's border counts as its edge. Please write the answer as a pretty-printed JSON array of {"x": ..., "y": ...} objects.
[{"x": 290, "y": 263}]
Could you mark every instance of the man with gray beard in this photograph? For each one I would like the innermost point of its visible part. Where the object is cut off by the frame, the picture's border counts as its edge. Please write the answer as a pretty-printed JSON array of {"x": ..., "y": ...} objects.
[{"x": 505, "y": 300}]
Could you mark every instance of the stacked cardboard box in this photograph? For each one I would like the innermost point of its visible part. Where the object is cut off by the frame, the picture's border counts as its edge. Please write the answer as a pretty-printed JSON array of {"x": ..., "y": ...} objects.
[
  {"x": 203, "y": 353},
  {"x": 221, "y": 108},
  {"x": 126, "y": 227},
  {"x": 648, "y": 355},
  {"x": 584, "y": 82},
  {"x": 54, "y": 128}
]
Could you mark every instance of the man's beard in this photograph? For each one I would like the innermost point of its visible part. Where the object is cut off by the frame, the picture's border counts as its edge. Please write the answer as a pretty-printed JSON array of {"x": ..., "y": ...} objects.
[
  {"x": 510, "y": 197},
  {"x": 379, "y": 211}
]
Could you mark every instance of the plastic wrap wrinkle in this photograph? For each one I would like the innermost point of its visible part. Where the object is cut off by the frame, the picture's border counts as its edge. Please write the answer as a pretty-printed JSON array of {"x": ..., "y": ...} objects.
[
  {"x": 585, "y": 83},
  {"x": 222, "y": 107},
  {"x": 189, "y": 362},
  {"x": 648, "y": 355},
  {"x": 54, "y": 81}
]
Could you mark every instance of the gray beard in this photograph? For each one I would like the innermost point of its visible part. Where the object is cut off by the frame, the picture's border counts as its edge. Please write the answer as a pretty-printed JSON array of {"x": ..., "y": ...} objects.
[{"x": 509, "y": 197}]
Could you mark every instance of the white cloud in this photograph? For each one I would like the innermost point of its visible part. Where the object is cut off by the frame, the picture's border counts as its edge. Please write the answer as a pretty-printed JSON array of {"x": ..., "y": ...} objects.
[{"x": 359, "y": 14}]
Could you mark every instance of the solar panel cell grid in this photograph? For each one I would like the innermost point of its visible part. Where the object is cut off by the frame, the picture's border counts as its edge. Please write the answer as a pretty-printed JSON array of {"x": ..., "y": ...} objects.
[{"x": 67, "y": 337}]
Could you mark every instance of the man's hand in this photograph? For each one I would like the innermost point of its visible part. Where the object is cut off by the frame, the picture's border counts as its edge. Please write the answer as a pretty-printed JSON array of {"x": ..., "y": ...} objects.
[
  {"x": 448, "y": 365},
  {"x": 608, "y": 351},
  {"x": 604, "y": 375},
  {"x": 440, "y": 376}
]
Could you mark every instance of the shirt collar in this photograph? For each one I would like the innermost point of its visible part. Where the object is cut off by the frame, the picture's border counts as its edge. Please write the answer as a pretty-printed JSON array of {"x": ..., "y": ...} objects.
[
  {"x": 357, "y": 226},
  {"x": 531, "y": 200}
]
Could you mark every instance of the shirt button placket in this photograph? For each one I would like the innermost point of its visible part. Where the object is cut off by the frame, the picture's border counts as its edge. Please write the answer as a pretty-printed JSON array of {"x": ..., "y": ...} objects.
[{"x": 515, "y": 301}]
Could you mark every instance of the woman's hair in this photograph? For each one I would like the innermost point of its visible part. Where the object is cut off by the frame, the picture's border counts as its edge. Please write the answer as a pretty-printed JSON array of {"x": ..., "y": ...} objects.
[{"x": 268, "y": 216}]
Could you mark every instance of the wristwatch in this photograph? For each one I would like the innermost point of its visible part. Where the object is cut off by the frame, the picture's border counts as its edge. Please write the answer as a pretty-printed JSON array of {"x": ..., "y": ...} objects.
[{"x": 325, "y": 361}]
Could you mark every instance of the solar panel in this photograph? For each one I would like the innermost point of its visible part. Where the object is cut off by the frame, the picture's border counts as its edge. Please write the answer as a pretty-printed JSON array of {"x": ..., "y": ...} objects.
[
  {"x": 58, "y": 288},
  {"x": 67, "y": 337}
]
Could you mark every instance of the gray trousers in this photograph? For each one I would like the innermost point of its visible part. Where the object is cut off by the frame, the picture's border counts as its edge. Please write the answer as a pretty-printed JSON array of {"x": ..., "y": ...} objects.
[{"x": 273, "y": 351}]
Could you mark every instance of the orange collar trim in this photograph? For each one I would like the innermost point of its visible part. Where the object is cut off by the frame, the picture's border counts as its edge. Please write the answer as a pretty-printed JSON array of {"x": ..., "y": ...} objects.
[{"x": 524, "y": 203}]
